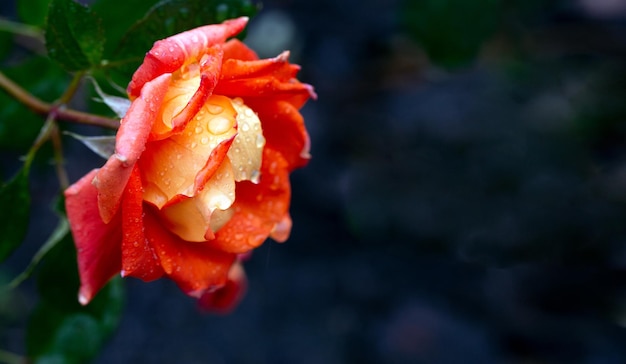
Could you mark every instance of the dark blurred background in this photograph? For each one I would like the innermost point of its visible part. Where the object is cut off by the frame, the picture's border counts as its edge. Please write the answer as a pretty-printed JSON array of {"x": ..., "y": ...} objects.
[{"x": 465, "y": 202}]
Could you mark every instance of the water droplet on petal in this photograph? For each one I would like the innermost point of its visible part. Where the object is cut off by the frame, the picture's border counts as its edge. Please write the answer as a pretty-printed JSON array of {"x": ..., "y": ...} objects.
[
  {"x": 244, "y": 127},
  {"x": 215, "y": 109},
  {"x": 260, "y": 141},
  {"x": 219, "y": 125},
  {"x": 198, "y": 130},
  {"x": 204, "y": 140},
  {"x": 255, "y": 177}
]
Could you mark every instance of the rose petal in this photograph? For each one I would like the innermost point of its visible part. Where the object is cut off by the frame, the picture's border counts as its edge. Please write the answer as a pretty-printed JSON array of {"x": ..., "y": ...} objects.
[
  {"x": 130, "y": 143},
  {"x": 181, "y": 164},
  {"x": 225, "y": 299},
  {"x": 138, "y": 257},
  {"x": 170, "y": 54},
  {"x": 277, "y": 67},
  {"x": 258, "y": 207},
  {"x": 192, "y": 218},
  {"x": 284, "y": 130},
  {"x": 247, "y": 150},
  {"x": 97, "y": 243},
  {"x": 195, "y": 267},
  {"x": 236, "y": 49},
  {"x": 295, "y": 92},
  {"x": 187, "y": 94}
]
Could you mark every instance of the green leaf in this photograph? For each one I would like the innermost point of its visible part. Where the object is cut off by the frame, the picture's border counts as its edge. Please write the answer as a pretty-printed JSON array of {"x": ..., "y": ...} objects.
[
  {"x": 62, "y": 229},
  {"x": 15, "y": 202},
  {"x": 33, "y": 12},
  {"x": 74, "y": 35},
  {"x": 451, "y": 31},
  {"x": 117, "y": 17},
  {"x": 60, "y": 329},
  {"x": 170, "y": 17}
]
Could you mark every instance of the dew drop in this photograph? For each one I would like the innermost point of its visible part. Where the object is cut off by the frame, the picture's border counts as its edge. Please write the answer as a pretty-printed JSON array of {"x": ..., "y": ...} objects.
[
  {"x": 136, "y": 244},
  {"x": 193, "y": 145},
  {"x": 252, "y": 240},
  {"x": 260, "y": 141},
  {"x": 204, "y": 140},
  {"x": 215, "y": 109},
  {"x": 249, "y": 113},
  {"x": 245, "y": 127},
  {"x": 198, "y": 130},
  {"x": 255, "y": 177},
  {"x": 219, "y": 125}
]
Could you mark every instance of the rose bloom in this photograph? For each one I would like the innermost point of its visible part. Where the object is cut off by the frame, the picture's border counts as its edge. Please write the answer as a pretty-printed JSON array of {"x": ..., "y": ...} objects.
[{"x": 200, "y": 174}]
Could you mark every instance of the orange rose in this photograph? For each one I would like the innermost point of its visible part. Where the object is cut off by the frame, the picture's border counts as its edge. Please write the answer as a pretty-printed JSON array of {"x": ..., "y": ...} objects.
[{"x": 201, "y": 168}]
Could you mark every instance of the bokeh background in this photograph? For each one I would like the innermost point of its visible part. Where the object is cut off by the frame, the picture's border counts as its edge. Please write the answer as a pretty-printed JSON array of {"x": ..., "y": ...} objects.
[{"x": 465, "y": 203}]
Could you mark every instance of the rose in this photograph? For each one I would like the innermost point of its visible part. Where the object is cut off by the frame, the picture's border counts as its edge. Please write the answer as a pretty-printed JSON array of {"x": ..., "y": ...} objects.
[{"x": 200, "y": 173}]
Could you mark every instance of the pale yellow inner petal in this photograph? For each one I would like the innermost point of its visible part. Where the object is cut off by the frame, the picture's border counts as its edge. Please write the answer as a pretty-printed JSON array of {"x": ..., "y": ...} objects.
[
  {"x": 193, "y": 219},
  {"x": 170, "y": 166},
  {"x": 247, "y": 150}
]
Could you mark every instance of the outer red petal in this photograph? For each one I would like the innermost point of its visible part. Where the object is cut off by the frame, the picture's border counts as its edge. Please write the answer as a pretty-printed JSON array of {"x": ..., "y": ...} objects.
[
  {"x": 225, "y": 299},
  {"x": 213, "y": 164},
  {"x": 259, "y": 208},
  {"x": 138, "y": 257},
  {"x": 97, "y": 243},
  {"x": 278, "y": 67},
  {"x": 267, "y": 87},
  {"x": 170, "y": 54},
  {"x": 195, "y": 267},
  {"x": 284, "y": 130},
  {"x": 235, "y": 49},
  {"x": 129, "y": 144}
]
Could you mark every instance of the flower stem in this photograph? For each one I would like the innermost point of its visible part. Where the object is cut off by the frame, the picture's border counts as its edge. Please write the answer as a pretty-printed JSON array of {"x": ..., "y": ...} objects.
[
  {"x": 22, "y": 29},
  {"x": 10, "y": 358},
  {"x": 44, "y": 108},
  {"x": 57, "y": 147}
]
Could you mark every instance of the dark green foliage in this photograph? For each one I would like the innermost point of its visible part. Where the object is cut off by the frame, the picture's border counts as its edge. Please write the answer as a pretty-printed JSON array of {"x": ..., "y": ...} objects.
[
  {"x": 60, "y": 329},
  {"x": 170, "y": 17},
  {"x": 15, "y": 202},
  {"x": 74, "y": 35},
  {"x": 19, "y": 125},
  {"x": 33, "y": 12}
]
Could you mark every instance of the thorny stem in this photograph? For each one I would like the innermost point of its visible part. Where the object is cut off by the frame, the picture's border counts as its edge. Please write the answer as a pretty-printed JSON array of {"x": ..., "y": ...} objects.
[{"x": 45, "y": 108}]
